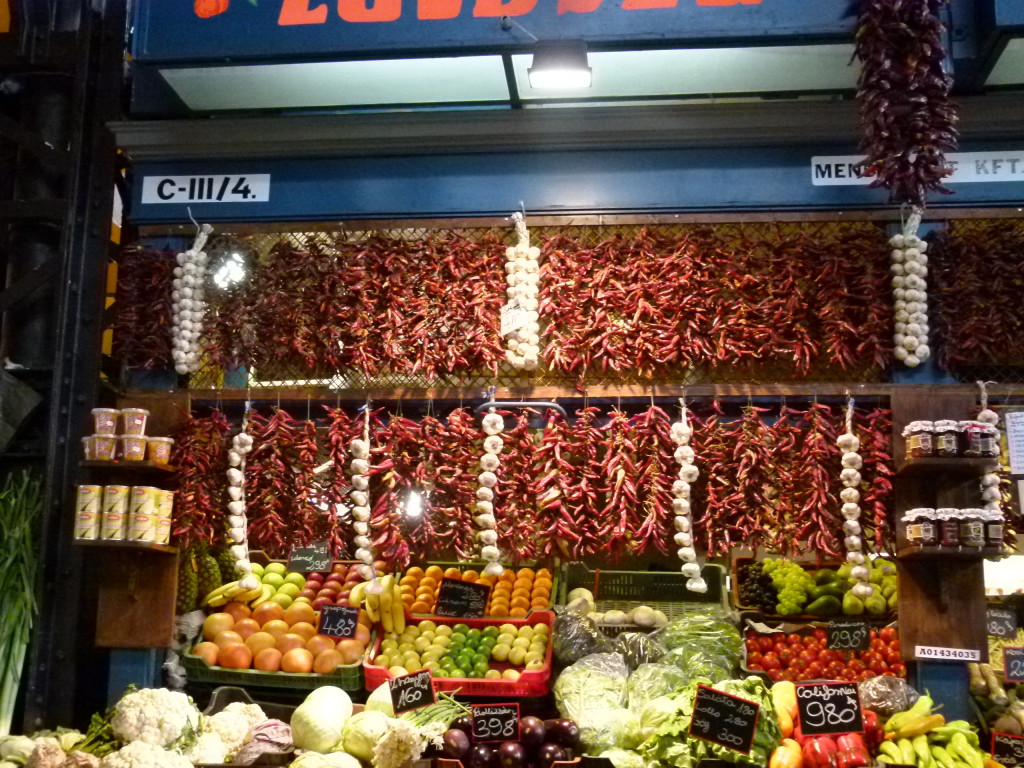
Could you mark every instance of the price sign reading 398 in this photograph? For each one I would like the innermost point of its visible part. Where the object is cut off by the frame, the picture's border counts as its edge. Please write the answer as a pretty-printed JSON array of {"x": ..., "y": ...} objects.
[{"x": 829, "y": 708}]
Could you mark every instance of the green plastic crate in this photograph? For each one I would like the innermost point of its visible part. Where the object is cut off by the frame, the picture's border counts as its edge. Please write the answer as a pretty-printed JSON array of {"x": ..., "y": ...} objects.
[
  {"x": 348, "y": 678},
  {"x": 662, "y": 590}
]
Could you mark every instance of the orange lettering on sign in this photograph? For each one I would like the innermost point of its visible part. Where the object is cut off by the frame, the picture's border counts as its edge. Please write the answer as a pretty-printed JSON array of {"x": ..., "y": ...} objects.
[
  {"x": 439, "y": 9},
  {"x": 578, "y": 6},
  {"x": 498, "y": 8},
  {"x": 641, "y": 5},
  {"x": 299, "y": 12},
  {"x": 728, "y": 2},
  {"x": 359, "y": 11}
]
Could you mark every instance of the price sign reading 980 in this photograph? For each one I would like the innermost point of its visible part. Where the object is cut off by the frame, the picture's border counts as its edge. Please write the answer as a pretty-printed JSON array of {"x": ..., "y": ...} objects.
[
  {"x": 724, "y": 719},
  {"x": 829, "y": 708}
]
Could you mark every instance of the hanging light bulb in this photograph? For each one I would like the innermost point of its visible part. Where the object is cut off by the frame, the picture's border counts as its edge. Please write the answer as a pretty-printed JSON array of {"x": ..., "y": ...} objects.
[{"x": 413, "y": 507}]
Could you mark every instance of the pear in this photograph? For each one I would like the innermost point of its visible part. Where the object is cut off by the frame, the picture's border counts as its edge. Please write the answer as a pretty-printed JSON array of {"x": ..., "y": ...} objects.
[
  {"x": 843, "y": 572},
  {"x": 893, "y": 601},
  {"x": 876, "y": 604},
  {"x": 852, "y": 605}
]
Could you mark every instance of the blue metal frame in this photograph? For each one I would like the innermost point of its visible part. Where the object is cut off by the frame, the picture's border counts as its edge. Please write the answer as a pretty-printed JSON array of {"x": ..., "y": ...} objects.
[{"x": 547, "y": 182}]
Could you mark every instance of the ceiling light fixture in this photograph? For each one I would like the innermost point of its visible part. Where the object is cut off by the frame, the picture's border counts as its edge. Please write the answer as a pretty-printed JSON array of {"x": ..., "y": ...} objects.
[{"x": 560, "y": 64}]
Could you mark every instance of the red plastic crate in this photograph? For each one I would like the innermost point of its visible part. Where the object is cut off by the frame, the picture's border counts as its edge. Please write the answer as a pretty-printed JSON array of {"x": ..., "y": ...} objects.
[{"x": 530, "y": 683}]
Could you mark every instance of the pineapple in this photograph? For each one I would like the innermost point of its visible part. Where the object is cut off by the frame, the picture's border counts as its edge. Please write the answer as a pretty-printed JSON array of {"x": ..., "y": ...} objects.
[
  {"x": 226, "y": 561},
  {"x": 209, "y": 577},
  {"x": 188, "y": 587}
]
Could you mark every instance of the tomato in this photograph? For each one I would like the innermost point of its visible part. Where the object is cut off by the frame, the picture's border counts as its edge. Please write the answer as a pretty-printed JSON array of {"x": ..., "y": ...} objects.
[
  {"x": 892, "y": 657},
  {"x": 855, "y": 665},
  {"x": 794, "y": 639},
  {"x": 812, "y": 642},
  {"x": 753, "y": 665},
  {"x": 827, "y": 657},
  {"x": 765, "y": 643},
  {"x": 816, "y": 669},
  {"x": 867, "y": 674},
  {"x": 877, "y": 645},
  {"x": 787, "y": 675},
  {"x": 786, "y": 656},
  {"x": 798, "y": 663},
  {"x": 809, "y": 655},
  {"x": 775, "y": 675},
  {"x": 750, "y": 635},
  {"x": 771, "y": 661},
  {"x": 869, "y": 657},
  {"x": 833, "y": 670},
  {"x": 820, "y": 635},
  {"x": 754, "y": 658},
  {"x": 751, "y": 646},
  {"x": 899, "y": 669},
  {"x": 780, "y": 647},
  {"x": 879, "y": 667},
  {"x": 894, "y": 645},
  {"x": 888, "y": 634},
  {"x": 873, "y": 634}
]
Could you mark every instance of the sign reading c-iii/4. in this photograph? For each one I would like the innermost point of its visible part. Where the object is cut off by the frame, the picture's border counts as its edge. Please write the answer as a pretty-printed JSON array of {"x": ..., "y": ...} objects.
[
  {"x": 214, "y": 188},
  {"x": 968, "y": 167}
]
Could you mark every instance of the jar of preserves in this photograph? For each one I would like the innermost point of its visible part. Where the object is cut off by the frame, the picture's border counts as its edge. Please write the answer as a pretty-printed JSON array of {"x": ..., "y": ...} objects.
[
  {"x": 978, "y": 440},
  {"x": 922, "y": 528},
  {"x": 989, "y": 439},
  {"x": 949, "y": 527},
  {"x": 994, "y": 530},
  {"x": 972, "y": 528},
  {"x": 919, "y": 437},
  {"x": 947, "y": 438}
]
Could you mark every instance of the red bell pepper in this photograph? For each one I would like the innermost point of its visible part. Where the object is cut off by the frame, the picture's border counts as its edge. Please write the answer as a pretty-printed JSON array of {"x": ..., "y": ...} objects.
[
  {"x": 852, "y": 751},
  {"x": 820, "y": 752},
  {"x": 873, "y": 731}
]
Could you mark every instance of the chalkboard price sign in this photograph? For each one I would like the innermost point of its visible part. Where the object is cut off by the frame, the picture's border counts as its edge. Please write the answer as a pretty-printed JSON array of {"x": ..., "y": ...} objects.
[
  {"x": 723, "y": 719},
  {"x": 495, "y": 722},
  {"x": 829, "y": 708},
  {"x": 1007, "y": 749},
  {"x": 1013, "y": 665},
  {"x": 848, "y": 636},
  {"x": 338, "y": 621},
  {"x": 410, "y": 692},
  {"x": 463, "y": 599},
  {"x": 312, "y": 559},
  {"x": 1002, "y": 622}
]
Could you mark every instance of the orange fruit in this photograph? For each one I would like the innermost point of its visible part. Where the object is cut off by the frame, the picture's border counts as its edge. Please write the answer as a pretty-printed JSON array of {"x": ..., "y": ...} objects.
[
  {"x": 408, "y": 581},
  {"x": 541, "y": 581},
  {"x": 520, "y": 592},
  {"x": 426, "y": 581},
  {"x": 540, "y": 602},
  {"x": 517, "y": 613},
  {"x": 351, "y": 650},
  {"x": 470, "y": 576},
  {"x": 276, "y": 627},
  {"x": 216, "y": 623},
  {"x": 408, "y": 600},
  {"x": 289, "y": 641},
  {"x": 500, "y": 590},
  {"x": 540, "y": 592},
  {"x": 226, "y": 638},
  {"x": 407, "y": 589},
  {"x": 207, "y": 651},
  {"x": 520, "y": 602},
  {"x": 523, "y": 584},
  {"x": 235, "y": 656},
  {"x": 246, "y": 627},
  {"x": 267, "y": 660},
  {"x": 528, "y": 572},
  {"x": 450, "y": 573},
  {"x": 434, "y": 572},
  {"x": 259, "y": 641},
  {"x": 543, "y": 572},
  {"x": 364, "y": 619},
  {"x": 299, "y": 612},
  {"x": 237, "y": 610},
  {"x": 267, "y": 611},
  {"x": 327, "y": 661},
  {"x": 421, "y": 590},
  {"x": 499, "y": 609},
  {"x": 362, "y": 635},
  {"x": 303, "y": 629},
  {"x": 416, "y": 572},
  {"x": 319, "y": 643},
  {"x": 297, "y": 660},
  {"x": 419, "y": 607}
]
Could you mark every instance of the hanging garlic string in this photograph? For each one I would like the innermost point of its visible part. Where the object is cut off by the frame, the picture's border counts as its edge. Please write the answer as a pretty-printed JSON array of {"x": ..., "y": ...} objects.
[
  {"x": 238, "y": 533},
  {"x": 523, "y": 278},
  {"x": 359, "y": 468},
  {"x": 909, "y": 268},
  {"x": 188, "y": 289},
  {"x": 487, "y": 480},
  {"x": 680, "y": 433},
  {"x": 850, "y": 476},
  {"x": 990, "y": 493}
]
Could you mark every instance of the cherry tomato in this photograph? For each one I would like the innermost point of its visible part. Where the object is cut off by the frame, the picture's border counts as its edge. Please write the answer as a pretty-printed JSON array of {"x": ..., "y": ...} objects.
[
  {"x": 794, "y": 639},
  {"x": 820, "y": 635},
  {"x": 771, "y": 661},
  {"x": 888, "y": 634},
  {"x": 809, "y": 655},
  {"x": 754, "y": 658},
  {"x": 765, "y": 643},
  {"x": 786, "y": 656},
  {"x": 775, "y": 675},
  {"x": 751, "y": 646}
]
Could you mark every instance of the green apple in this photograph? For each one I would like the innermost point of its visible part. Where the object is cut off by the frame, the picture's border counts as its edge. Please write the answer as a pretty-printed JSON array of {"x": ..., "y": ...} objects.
[
  {"x": 281, "y": 599},
  {"x": 290, "y": 589},
  {"x": 295, "y": 578},
  {"x": 273, "y": 579},
  {"x": 277, "y": 568}
]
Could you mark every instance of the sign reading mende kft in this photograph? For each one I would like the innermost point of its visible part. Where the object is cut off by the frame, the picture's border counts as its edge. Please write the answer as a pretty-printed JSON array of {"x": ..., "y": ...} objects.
[{"x": 968, "y": 167}]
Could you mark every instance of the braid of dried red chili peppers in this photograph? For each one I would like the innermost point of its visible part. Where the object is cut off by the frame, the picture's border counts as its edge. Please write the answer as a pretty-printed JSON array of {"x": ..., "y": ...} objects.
[
  {"x": 142, "y": 309},
  {"x": 200, "y": 455}
]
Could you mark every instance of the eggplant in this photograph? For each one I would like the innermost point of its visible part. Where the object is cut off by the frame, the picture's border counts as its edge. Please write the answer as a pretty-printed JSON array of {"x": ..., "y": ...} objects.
[
  {"x": 456, "y": 744},
  {"x": 479, "y": 756},
  {"x": 532, "y": 732},
  {"x": 564, "y": 733},
  {"x": 550, "y": 753},
  {"x": 511, "y": 755},
  {"x": 463, "y": 723}
]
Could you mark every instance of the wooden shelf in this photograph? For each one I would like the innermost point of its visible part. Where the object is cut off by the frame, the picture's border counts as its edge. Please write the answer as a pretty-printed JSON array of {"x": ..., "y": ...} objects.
[
  {"x": 150, "y": 546},
  {"x": 956, "y": 467},
  {"x": 936, "y": 552},
  {"x": 134, "y": 466}
]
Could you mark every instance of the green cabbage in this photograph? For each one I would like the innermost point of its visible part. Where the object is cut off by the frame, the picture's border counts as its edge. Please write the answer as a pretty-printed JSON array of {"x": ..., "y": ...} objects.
[
  {"x": 698, "y": 663},
  {"x": 602, "y": 729},
  {"x": 362, "y": 732},
  {"x": 317, "y": 722},
  {"x": 380, "y": 701},
  {"x": 623, "y": 758},
  {"x": 596, "y": 682},
  {"x": 652, "y": 680}
]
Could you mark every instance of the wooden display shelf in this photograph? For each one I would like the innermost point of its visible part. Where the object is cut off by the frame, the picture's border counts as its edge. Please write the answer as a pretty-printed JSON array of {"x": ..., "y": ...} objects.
[
  {"x": 135, "y": 466},
  {"x": 952, "y": 467},
  {"x": 960, "y": 553},
  {"x": 150, "y": 546}
]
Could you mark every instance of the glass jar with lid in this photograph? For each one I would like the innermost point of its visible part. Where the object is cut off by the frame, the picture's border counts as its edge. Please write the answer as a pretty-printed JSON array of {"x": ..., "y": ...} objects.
[
  {"x": 994, "y": 528},
  {"x": 972, "y": 528},
  {"x": 919, "y": 437},
  {"x": 949, "y": 527},
  {"x": 978, "y": 440},
  {"x": 947, "y": 438},
  {"x": 922, "y": 528}
]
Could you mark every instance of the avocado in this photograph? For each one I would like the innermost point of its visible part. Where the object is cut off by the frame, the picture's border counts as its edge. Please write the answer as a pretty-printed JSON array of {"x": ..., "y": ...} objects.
[
  {"x": 835, "y": 589},
  {"x": 825, "y": 576},
  {"x": 826, "y": 605}
]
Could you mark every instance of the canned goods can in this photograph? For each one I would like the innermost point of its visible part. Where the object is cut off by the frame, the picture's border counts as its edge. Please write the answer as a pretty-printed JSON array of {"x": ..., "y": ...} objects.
[
  {"x": 89, "y": 499},
  {"x": 163, "y": 530},
  {"x": 142, "y": 528},
  {"x": 87, "y": 525},
  {"x": 112, "y": 526},
  {"x": 115, "y": 499},
  {"x": 142, "y": 501},
  {"x": 166, "y": 504}
]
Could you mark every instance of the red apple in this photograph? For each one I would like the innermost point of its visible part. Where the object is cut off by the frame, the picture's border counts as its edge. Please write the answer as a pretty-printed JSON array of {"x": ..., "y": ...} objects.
[
  {"x": 330, "y": 594},
  {"x": 310, "y": 593},
  {"x": 380, "y": 566},
  {"x": 318, "y": 577},
  {"x": 339, "y": 568},
  {"x": 343, "y": 596},
  {"x": 332, "y": 584},
  {"x": 320, "y": 602},
  {"x": 353, "y": 578}
]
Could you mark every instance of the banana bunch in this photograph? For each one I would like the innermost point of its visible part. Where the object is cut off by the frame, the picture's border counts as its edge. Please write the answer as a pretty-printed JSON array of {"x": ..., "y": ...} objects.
[
  {"x": 234, "y": 591},
  {"x": 385, "y": 605}
]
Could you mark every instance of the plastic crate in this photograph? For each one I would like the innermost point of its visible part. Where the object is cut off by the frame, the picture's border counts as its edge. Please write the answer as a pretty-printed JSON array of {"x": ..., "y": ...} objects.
[
  {"x": 530, "y": 683},
  {"x": 444, "y": 762},
  {"x": 230, "y": 694},
  {"x": 348, "y": 678},
  {"x": 662, "y": 590},
  {"x": 479, "y": 567}
]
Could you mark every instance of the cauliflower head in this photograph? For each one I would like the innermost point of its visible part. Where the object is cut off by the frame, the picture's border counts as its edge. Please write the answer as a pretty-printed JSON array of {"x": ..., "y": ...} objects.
[
  {"x": 208, "y": 749},
  {"x": 141, "y": 754},
  {"x": 155, "y": 716},
  {"x": 232, "y": 728},
  {"x": 252, "y": 712}
]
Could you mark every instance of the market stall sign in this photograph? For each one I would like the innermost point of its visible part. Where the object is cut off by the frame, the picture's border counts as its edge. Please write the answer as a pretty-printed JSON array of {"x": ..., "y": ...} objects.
[
  {"x": 312, "y": 559},
  {"x": 338, "y": 621},
  {"x": 848, "y": 636},
  {"x": 495, "y": 722},
  {"x": 463, "y": 599},
  {"x": 934, "y": 653},
  {"x": 723, "y": 719},
  {"x": 1002, "y": 622},
  {"x": 413, "y": 691},
  {"x": 827, "y": 708},
  {"x": 1013, "y": 665},
  {"x": 968, "y": 168},
  {"x": 1007, "y": 749},
  {"x": 240, "y": 188}
]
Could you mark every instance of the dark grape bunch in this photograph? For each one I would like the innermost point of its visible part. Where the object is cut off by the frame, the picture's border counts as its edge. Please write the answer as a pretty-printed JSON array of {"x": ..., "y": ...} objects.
[{"x": 756, "y": 588}]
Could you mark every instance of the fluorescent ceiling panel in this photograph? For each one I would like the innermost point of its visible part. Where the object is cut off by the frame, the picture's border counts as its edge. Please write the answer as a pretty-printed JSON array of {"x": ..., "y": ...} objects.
[
  {"x": 1009, "y": 68},
  {"x": 695, "y": 72},
  {"x": 340, "y": 83}
]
